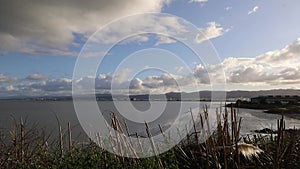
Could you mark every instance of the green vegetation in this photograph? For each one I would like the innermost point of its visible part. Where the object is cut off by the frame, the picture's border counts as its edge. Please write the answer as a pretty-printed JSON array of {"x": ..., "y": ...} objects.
[
  {"x": 23, "y": 147},
  {"x": 291, "y": 109}
]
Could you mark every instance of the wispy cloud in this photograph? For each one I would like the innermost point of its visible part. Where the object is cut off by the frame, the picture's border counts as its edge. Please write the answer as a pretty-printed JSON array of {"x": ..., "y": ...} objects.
[
  {"x": 199, "y": 1},
  {"x": 165, "y": 25},
  {"x": 228, "y": 8},
  {"x": 253, "y": 10},
  {"x": 213, "y": 30},
  {"x": 164, "y": 40}
]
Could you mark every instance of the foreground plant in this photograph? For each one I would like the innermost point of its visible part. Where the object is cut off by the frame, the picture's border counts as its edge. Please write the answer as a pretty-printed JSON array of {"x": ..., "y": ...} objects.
[{"x": 26, "y": 146}]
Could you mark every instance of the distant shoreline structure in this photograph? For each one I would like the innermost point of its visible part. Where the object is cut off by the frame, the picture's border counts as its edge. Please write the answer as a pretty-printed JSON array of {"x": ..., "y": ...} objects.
[
  {"x": 231, "y": 96},
  {"x": 288, "y": 105}
]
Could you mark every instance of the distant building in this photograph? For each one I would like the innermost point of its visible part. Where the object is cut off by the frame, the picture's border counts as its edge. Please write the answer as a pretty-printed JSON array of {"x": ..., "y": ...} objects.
[{"x": 276, "y": 99}]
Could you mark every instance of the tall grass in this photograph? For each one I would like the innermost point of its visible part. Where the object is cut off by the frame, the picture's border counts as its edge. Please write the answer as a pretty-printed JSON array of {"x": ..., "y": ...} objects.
[{"x": 24, "y": 146}]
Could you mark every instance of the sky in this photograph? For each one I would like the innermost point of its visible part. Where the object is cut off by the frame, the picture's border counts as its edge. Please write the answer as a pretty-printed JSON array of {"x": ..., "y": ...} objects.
[{"x": 249, "y": 45}]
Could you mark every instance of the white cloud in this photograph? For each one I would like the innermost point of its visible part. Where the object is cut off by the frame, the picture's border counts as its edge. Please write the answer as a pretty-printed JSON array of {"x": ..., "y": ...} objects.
[
  {"x": 53, "y": 85},
  {"x": 213, "y": 30},
  {"x": 137, "y": 84},
  {"x": 9, "y": 88},
  {"x": 164, "y": 40},
  {"x": 253, "y": 10},
  {"x": 136, "y": 38},
  {"x": 6, "y": 79},
  {"x": 199, "y": 1},
  {"x": 140, "y": 26},
  {"x": 179, "y": 69},
  {"x": 289, "y": 55},
  {"x": 37, "y": 77},
  {"x": 164, "y": 80},
  {"x": 228, "y": 8},
  {"x": 275, "y": 69}
]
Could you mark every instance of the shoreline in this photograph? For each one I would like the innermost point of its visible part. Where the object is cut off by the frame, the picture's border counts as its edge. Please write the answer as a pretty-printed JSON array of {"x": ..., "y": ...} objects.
[{"x": 291, "y": 111}]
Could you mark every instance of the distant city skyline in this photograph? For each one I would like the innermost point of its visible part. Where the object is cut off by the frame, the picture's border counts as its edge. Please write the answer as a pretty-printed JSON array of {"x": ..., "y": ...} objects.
[{"x": 258, "y": 43}]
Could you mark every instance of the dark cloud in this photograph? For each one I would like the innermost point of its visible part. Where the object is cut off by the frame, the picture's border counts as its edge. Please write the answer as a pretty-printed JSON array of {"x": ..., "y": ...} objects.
[
  {"x": 201, "y": 74},
  {"x": 48, "y": 26}
]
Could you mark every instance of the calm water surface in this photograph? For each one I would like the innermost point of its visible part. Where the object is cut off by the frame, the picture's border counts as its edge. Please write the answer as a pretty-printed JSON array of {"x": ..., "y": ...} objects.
[{"x": 48, "y": 114}]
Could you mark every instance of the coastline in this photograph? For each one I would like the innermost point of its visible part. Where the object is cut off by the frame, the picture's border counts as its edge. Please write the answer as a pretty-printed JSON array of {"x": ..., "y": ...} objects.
[{"x": 291, "y": 111}]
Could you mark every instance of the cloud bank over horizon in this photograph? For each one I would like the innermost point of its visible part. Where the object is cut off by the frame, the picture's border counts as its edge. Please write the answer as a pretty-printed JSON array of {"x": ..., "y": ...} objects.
[
  {"x": 38, "y": 37},
  {"x": 274, "y": 69}
]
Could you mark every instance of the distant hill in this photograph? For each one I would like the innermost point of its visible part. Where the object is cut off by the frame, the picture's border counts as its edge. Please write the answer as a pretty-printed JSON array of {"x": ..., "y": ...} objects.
[
  {"x": 249, "y": 94},
  {"x": 236, "y": 94},
  {"x": 204, "y": 95}
]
